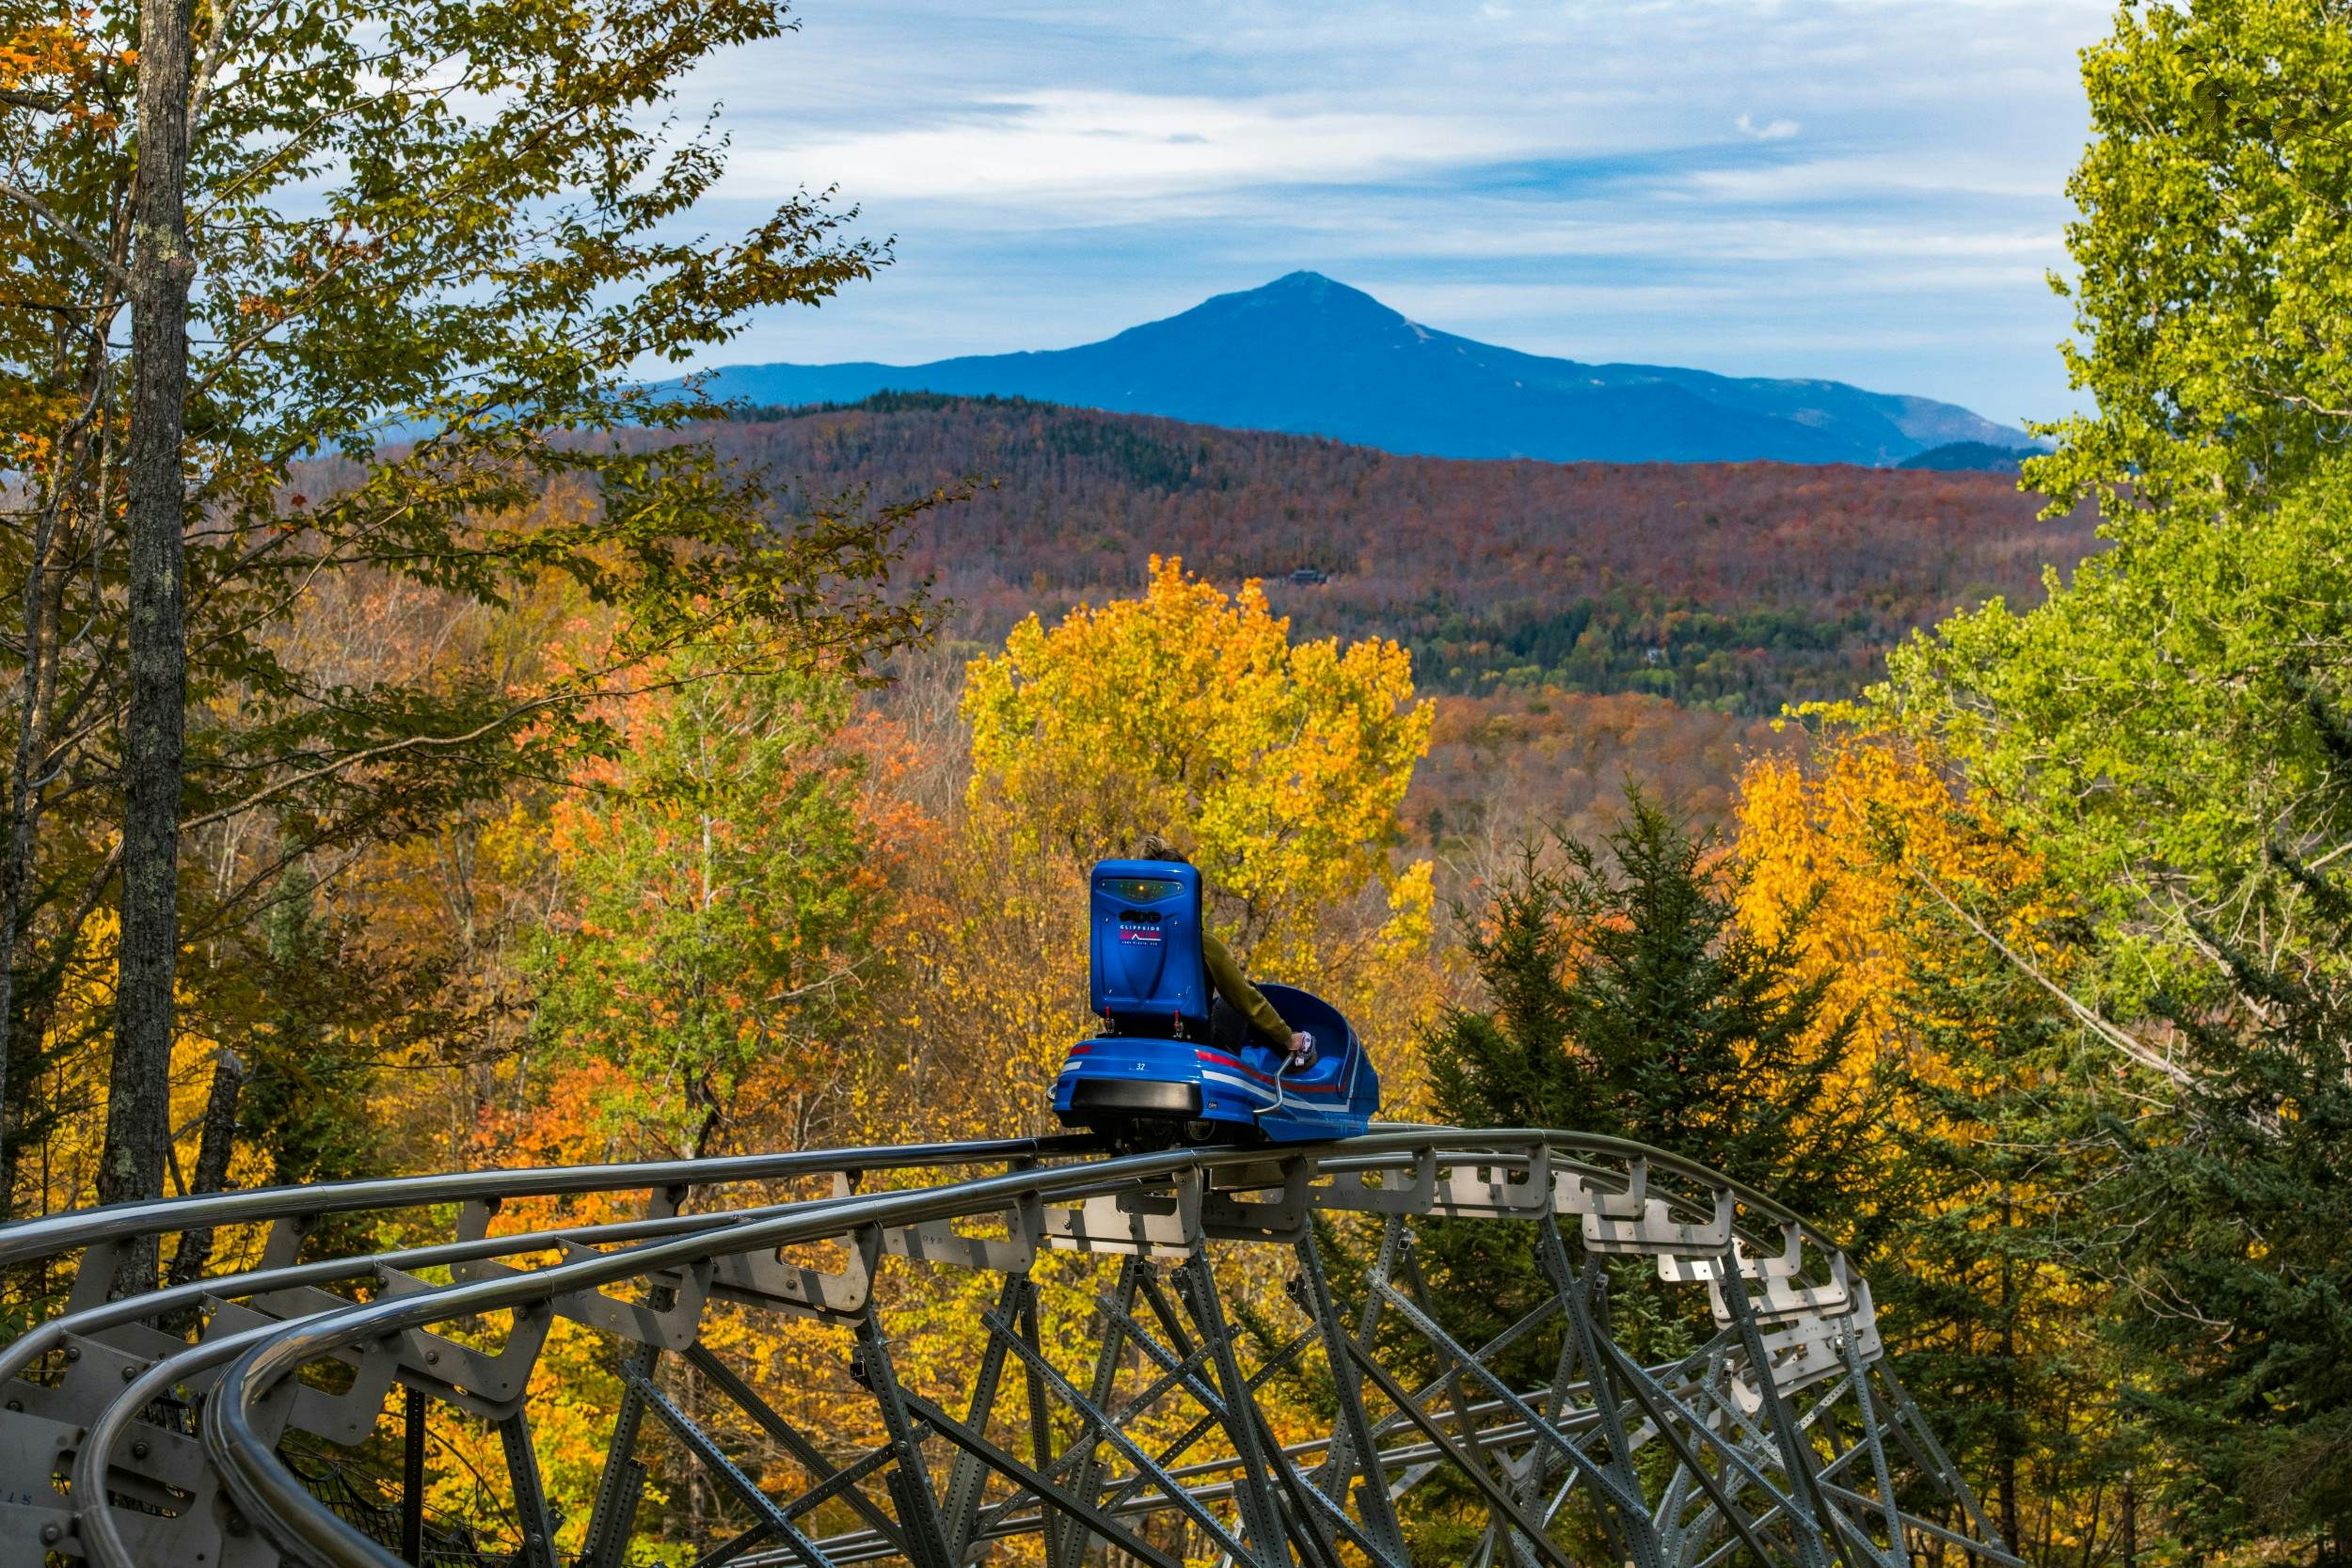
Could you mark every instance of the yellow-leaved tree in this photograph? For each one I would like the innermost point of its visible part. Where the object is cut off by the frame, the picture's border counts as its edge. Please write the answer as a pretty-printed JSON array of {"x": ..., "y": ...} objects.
[
  {"x": 1849, "y": 846},
  {"x": 1187, "y": 711},
  {"x": 1190, "y": 712},
  {"x": 1937, "y": 930}
]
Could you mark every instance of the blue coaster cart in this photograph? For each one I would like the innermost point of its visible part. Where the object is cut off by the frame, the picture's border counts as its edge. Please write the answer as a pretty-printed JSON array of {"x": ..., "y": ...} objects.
[{"x": 1155, "y": 1073}]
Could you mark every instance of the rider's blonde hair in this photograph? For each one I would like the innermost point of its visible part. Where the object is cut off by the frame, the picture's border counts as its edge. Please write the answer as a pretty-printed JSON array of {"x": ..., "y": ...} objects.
[{"x": 1155, "y": 847}]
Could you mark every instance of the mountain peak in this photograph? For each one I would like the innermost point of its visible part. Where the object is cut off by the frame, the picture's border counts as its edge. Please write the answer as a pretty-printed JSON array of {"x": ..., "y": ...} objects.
[
  {"x": 1298, "y": 297},
  {"x": 1308, "y": 353},
  {"x": 1304, "y": 282}
]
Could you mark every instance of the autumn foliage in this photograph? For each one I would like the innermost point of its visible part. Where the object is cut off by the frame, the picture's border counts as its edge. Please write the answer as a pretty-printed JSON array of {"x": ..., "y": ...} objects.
[{"x": 562, "y": 784}]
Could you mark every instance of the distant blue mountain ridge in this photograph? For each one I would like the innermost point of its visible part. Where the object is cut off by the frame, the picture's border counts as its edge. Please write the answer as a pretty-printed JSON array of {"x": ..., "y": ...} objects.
[{"x": 1310, "y": 357}]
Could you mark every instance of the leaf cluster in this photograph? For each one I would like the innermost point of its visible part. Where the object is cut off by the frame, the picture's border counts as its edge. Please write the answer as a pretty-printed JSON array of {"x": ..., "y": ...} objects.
[{"x": 2213, "y": 259}]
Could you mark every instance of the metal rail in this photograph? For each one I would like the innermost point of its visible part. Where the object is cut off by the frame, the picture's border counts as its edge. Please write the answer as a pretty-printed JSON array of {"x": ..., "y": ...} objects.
[{"x": 1167, "y": 1424}]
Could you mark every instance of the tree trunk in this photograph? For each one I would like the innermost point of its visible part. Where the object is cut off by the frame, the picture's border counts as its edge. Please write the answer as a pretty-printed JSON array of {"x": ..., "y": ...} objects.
[
  {"x": 32, "y": 764},
  {"x": 36, "y": 1008},
  {"x": 16, "y": 868},
  {"x": 138, "y": 1083},
  {"x": 2007, "y": 1446},
  {"x": 216, "y": 1144}
]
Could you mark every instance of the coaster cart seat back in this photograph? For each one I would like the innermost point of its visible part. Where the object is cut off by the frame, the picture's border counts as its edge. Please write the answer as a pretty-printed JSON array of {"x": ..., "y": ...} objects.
[{"x": 1155, "y": 1075}]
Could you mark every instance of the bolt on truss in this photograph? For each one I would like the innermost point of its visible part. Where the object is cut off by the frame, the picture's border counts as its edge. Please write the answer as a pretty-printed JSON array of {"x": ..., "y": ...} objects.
[{"x": 1229, "y": 1353}]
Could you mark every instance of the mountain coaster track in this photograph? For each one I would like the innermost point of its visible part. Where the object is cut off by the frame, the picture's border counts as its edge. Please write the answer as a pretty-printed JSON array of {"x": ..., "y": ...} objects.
[{"x": 165, "y": 1429}]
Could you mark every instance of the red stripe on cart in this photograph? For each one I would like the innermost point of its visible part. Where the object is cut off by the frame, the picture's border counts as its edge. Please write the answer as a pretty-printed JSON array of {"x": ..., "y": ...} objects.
[{"x": 1239, "y": 1066}]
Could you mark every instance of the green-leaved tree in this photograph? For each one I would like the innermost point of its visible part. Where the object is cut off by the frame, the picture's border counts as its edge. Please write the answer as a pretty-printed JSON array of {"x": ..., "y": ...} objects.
[
  {"x": 2171, "y": 735},
  {"x": 2212, "y": 262},
  {"x": 721, "y": 923}
]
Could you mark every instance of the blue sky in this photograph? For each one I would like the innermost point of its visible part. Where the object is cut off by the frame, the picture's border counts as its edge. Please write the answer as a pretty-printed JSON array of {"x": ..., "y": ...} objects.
[{"x": 1870, "y": 190}]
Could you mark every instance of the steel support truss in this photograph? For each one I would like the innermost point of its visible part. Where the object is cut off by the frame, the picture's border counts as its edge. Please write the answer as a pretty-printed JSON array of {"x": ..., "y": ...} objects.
[{"x": 1162, "y": 1370}]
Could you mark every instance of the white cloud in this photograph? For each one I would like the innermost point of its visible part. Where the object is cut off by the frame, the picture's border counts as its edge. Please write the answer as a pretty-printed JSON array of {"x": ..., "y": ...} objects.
[
  {"x": 1777, "y": 129},
  {"x": 1949, "y": 171},
  {"x": 1126, "y": 146}
]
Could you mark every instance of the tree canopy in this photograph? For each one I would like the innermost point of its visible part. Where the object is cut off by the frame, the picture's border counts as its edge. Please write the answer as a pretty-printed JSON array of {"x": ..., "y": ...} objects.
[
  {"x": 458, "y": 747},
  {"x": 1279, "y": 764},
  {"x": 2171, "y": 734},
  {"x": 2167, "y": 722},
  {"x": 2213, "y": 265}
]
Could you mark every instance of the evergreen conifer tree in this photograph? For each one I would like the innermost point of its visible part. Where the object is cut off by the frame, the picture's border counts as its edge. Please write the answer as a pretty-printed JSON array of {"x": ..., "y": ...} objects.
[
  {"x": 1993, "y": 1322},
  {"x": 1621, "y": 996},
  {"x": 2231, "y": 1234}
]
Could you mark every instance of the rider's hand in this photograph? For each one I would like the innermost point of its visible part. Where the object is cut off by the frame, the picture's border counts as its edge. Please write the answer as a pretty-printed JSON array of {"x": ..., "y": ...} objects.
[{"x": 1302, "y": 1050}]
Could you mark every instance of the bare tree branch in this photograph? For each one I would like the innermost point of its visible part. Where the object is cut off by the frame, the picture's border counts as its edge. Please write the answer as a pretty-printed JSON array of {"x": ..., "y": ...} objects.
[
  {"x": 106, "y": 263},
  {"x": 2137, "y": 1050}
]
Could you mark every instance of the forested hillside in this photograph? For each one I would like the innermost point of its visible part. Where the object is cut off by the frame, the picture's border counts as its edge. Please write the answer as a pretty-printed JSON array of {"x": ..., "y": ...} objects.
[
  {"x": 1735, "y": 588},
  {"x": 1613, "y": 623}
]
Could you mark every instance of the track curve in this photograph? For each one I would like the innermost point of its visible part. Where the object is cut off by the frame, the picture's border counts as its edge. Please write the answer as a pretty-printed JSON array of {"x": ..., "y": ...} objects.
[{"x": 165, "y": 1429}]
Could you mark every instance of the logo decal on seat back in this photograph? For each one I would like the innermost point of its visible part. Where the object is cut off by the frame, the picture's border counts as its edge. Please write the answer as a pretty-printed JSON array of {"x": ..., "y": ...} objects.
[{"x": 1141, "y": 954}]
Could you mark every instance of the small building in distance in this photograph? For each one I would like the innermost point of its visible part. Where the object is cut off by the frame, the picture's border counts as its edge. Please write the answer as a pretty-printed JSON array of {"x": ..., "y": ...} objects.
[{"x": 1307, "y": 576}]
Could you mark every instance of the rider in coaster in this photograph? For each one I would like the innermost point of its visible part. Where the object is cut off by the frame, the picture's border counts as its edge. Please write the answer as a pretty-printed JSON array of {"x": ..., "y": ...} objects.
[{"x": 1241, "y": 1009}]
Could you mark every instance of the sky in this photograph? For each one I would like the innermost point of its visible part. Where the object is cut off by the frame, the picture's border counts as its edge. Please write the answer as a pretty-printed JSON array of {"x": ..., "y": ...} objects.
[{"x": 1872, "y": 190}]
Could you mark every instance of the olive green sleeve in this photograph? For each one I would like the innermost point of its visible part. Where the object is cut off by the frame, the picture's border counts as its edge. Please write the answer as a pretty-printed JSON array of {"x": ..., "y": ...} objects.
[{"x": 1243, "y": 997}]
